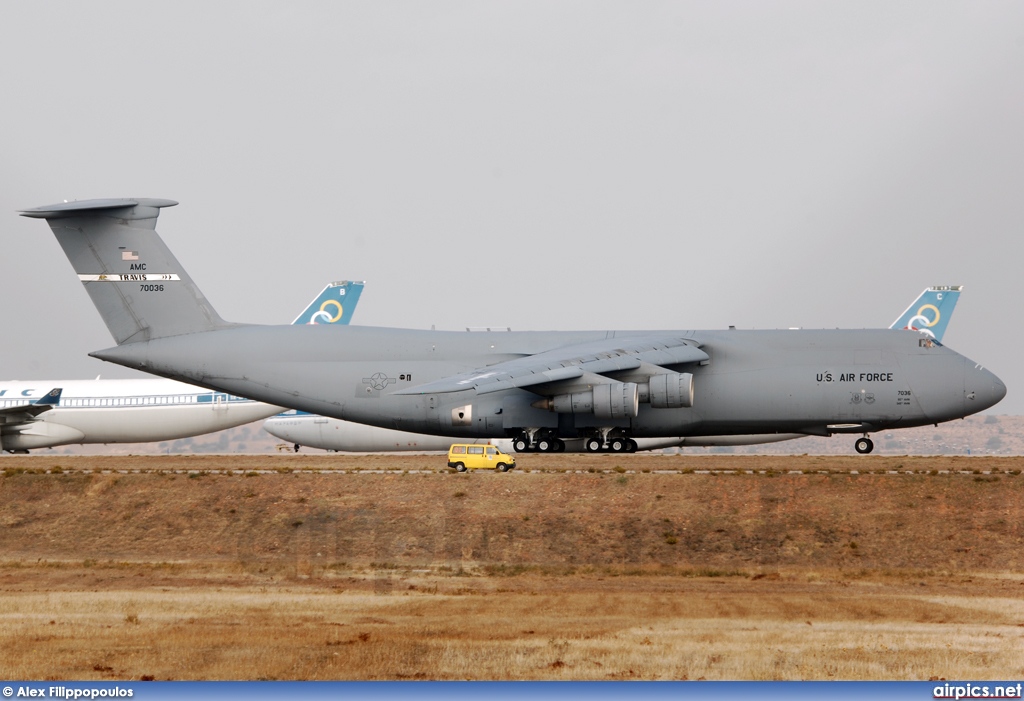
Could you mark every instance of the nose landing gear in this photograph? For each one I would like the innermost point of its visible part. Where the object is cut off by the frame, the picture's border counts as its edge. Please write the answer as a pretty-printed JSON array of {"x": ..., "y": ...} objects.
[{"x": 864, "y": 445}]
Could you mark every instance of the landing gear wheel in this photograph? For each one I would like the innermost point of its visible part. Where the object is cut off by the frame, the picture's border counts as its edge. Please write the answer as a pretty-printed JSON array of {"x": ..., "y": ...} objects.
[
  {"x": 559, "y": 446},
  {"x": 297, "y": 446},
  {"x": 593, "y": 445},
  {"x": 545, "y": 445},
  {"x": 631, "y": 446},
  {"x": 521, "y": 445},
  {"x": 617, "y": 445},
  {"x": 864, "y": 446},
  {"x": 459, "y": 467}
]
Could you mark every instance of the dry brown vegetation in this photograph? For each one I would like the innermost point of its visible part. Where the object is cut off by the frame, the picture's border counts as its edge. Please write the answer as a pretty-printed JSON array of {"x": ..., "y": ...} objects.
[{"x": 644, "y": 568}]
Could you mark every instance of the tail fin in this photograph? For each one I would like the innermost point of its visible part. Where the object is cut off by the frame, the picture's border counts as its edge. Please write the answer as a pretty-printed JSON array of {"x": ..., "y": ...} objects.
[
  {"x": 931, "y": 311},
  {"x": 51, "y": 398},
  {"x": 334, "y": 305},
  {"x": 136, "y": 283},
  {"x": 28, "y": 412}
]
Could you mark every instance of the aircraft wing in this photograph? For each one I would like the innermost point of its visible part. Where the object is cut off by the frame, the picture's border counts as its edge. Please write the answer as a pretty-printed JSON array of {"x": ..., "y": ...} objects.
[
  {"x": 569, "y": 362},
  {"x": 28, "y": 412}
]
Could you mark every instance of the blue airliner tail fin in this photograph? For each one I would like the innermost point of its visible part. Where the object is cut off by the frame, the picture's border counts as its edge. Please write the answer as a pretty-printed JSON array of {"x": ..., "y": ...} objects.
[
  {"x": 930, "y": 313},
  {"x": 334, "y": 305},
  {"x": 27, "y": 412},
  {"x": 51, "y": 398}
]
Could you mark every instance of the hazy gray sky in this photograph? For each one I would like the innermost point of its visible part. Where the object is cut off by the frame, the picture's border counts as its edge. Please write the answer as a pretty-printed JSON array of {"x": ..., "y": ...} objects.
[{"x": 539, "y": 165}]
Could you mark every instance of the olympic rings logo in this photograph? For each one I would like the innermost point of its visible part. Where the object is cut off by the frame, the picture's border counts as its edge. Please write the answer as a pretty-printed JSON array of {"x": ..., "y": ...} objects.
[
  {"x": 324, "y": 316},
  {"x": 921, "y": 322}
]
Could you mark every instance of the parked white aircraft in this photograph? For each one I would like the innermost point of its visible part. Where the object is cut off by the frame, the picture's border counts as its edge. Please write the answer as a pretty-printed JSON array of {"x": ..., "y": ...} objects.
[
  {"x": 930, "y": 312},
  {"x": 118, "y": 411},
  {"x": 316, "y": 431},
  {"x": 143, "y": 410}
]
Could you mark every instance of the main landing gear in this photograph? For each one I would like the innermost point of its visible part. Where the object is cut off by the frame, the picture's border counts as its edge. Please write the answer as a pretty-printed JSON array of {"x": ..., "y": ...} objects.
[
  {"x": 539, "y": 444},
  {"x": 864, "y": 445},
  {"x": 603, "y": 442},
  {"x": 544, "y": 441},
  {"x": 612, "y": 445},
  {"x": 538, "y": 440}
]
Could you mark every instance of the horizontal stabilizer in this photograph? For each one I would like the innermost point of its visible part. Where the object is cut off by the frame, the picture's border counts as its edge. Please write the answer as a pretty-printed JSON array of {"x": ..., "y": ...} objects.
[{"x": 70, "y": 209}]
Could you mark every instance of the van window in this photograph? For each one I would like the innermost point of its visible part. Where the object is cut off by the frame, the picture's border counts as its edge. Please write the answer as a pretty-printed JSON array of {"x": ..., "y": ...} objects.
[
  {"x": 490, "y": 450},
  {"x": 476, "y": 450},
  {"x": 458, "y": 449}
]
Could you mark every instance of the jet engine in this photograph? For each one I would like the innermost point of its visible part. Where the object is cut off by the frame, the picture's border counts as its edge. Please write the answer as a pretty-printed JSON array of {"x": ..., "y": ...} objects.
[
  {"x": 669, "y": 391},
  {"x": 616, "y": 400},
  {"x": 612, "y": 401},
  {"x": 41, "y": 434}
]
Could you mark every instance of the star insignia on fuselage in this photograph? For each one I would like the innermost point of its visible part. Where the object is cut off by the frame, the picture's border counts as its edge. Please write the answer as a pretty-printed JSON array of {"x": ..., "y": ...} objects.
[{"x": 378, "y": 380}]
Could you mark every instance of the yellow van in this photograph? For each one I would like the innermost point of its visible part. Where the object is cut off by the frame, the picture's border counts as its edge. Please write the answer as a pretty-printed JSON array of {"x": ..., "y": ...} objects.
[{"x": 479, "y": 456}]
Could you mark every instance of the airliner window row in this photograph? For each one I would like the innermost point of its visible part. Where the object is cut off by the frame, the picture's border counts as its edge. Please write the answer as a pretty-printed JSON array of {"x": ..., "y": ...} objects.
[
  {"x": 128, "y": 401},
  {"x": 133, "y": 401}
]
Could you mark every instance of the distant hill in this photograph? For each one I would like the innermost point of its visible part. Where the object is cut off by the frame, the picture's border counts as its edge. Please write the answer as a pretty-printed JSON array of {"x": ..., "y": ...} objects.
[{"x": 977, "y": 435}]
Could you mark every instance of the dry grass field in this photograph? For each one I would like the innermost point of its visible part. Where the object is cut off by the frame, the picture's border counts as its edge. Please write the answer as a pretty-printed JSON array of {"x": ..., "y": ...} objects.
[{"x": 573, "y": 567}]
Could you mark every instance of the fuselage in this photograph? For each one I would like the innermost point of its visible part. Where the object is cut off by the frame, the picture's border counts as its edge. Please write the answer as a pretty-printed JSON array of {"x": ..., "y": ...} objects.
[
  {"x": 754, "y": 382},
  {"x": 122, "y": 411},
  {"x": 315, "y": 431}
]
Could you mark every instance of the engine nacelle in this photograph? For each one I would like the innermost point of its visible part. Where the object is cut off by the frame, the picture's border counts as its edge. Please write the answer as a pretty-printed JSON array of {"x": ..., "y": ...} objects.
[
  {"x": 41, "y": 434},
  {"x": 671, "y": 390},
  {"x": 612, "y": 401}
]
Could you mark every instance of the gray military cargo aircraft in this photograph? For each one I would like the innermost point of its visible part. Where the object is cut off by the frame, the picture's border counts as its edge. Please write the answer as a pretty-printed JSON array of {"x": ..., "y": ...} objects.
[{"x": 539, "y": 388}]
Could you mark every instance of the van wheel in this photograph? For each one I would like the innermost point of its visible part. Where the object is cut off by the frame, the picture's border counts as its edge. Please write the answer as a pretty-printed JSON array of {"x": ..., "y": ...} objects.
[
  {"x": 502, "y": 467},
  {"x": 459, "y": 467}
]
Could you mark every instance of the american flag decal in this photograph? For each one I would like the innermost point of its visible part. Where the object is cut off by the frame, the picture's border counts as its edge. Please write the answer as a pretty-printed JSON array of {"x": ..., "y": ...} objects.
[{"x": 129, "y": 255}]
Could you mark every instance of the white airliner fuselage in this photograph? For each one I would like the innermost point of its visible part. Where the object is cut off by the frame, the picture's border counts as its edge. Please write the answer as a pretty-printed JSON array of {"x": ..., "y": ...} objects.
[
  {"x": 122, "y": 411},
  {"x": 315, "y": 431}
]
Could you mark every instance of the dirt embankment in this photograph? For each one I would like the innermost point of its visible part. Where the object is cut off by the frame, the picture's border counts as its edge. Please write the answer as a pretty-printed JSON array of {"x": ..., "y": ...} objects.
[
  {"x": 603, "y": 567},
  {"x": 315, "y": 522}
]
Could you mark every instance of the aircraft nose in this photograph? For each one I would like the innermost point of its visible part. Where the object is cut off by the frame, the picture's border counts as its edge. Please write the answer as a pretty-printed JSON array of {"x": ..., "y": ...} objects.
[
  {"x": 277, "y": 428},
  {"x": 982, "y": 389}
]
